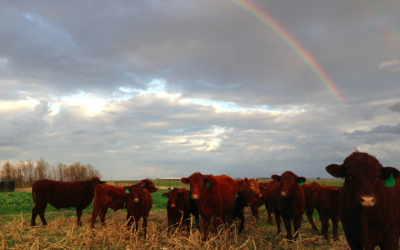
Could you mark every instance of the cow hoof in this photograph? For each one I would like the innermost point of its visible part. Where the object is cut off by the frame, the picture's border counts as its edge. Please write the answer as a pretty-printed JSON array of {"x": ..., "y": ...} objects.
[{"x": 241, "y": 229}]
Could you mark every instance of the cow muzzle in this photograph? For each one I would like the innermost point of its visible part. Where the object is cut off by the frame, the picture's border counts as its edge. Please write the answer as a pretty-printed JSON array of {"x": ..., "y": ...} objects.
[
  {"x": 195, "y": 196},
  {"x": 367, "y": 201},
  {"x": 136, "y": 200},
  {"x": 284, "y": 193},
  {"x": 172, "y": 205}
]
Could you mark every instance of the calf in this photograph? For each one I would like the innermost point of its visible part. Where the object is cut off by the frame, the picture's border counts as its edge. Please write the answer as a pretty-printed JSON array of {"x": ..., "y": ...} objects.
[
  {"x": 139, "y": 205},
  {"x": 214, "y": 196},
  {"x": 256, "y": 202},
  {"x": 290, "y": 198},
  {"x": 178, "y": 207},
  {"x": 369, "y": 211},
  {"x": 326, "y": 200},
  {"x": 114, "y": 197},
  {"x": 242, "y": 201},
  {"x": 309, "y": 190},
  {"x": 59, "y": 194}
]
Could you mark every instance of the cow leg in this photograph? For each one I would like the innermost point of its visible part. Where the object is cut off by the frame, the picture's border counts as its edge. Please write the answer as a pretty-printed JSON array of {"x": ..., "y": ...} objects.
[
  {"x": 197, "y": 221},
  {"x": 41, "y": 214},
  {"x": 145, "y": 225},
  {"x": 254, "y": 212},
  {"x": 78, "y": 215},
  {"x": 241, "y": 216},
  {"x": 95, "y": 212},
  {"x": 35, "y": 211},
  {"x": 325, "y": 225},
  {"x": 278, "y": 221},
  {"x": 297, "y": 224},
  {"x": 309, "y": 213},
  {"x": 206, "y": 224},
  {"x": 288, "y": 227},
  {"x": 229, "y": 217},
  {"x": 335, "y": 223},
  {"x": 390, "y": 241},
  {"x": 353, "y": 243},
  {"x": 268, "y": 208},
  {"x": 103, "y": 213}
]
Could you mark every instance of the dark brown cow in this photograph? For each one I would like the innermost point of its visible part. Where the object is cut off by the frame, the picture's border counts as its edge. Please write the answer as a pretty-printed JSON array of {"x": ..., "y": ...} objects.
[
  {"x": 214, "y": 196},
  {"x": 114, "y": 197},
  {"x": 194, "y": 210},
  {"x": 178, "y": 207},
  {"x": 326, "y": 200},
  {"x": 59, "y": 194},
  {"x": 256, "y": 202},
  {"x": 369, "y": 211},
  {"x": 309, "y": 190},
  {"x": 290, "y": 197},
  {"x": 139, "y": 205}
]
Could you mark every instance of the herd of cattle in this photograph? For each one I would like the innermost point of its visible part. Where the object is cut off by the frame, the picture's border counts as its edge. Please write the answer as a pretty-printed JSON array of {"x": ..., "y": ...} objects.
[{"x": 367, "y": 204}]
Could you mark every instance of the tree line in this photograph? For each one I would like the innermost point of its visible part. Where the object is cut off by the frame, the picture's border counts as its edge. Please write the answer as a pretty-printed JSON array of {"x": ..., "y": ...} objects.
[{"x": 26, "y": 173}]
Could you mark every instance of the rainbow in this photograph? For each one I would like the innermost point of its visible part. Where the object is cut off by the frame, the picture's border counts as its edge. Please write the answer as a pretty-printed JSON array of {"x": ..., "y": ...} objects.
[{"x": 272, "y": 25}]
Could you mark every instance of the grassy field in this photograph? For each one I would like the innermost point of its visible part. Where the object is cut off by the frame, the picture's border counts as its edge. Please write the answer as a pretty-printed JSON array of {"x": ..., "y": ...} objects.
[{"x": 62, "y": 231}]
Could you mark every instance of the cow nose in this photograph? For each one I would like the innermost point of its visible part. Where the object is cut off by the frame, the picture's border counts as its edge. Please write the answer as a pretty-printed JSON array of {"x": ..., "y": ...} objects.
[
  {"x": 260, "y": 195},
  {"x": 136, "y": 200},
  {"x": 283, "y": 193},
  {"x": 367, "y": 201},
  {"x": 172, "y": 205},
  {"x": 195, "y": 196}
]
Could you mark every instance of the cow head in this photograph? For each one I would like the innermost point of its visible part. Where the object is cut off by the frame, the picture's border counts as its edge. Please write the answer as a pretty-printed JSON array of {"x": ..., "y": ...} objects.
[
  {"x": 94, "y": 182},
  {"x": 149, "y": 185},
  {"x": 253, "y": 187},
  {"x": 134, "y": 192},
  {"x": 174, "y": 195},
  {"x": 289, "y": 183},
  {"x": 197, "y": 183},
  {"x": 364, "y": 177}
]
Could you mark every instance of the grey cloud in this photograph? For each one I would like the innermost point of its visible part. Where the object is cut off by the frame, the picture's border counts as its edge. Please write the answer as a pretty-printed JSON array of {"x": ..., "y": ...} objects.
[{"x": 395, "y": 107}]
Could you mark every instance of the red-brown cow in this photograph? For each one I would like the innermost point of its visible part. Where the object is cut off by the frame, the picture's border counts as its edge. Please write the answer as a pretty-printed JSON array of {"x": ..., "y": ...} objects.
[
  {"x": 309, "y": 190},
  {"x": 326, "y": 200},
  {"x": 214, "y": 196},
  {"x": 59, "y": 194},
  {"x": 256, "y": 202},
  {"x": 251, "y": 185},
  {"x": 114, "y": 197},
  {"x": 290, "y": 197},
  {"x": 139, "y": 205},
  {"x": 369, "y": 211},
  {"x": 178, "y": 207}
]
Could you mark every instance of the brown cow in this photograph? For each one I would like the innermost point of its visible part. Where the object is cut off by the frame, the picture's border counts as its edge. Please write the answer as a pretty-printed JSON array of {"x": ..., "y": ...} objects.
[
  {"x": 309, "y": 190},
  {"x": 290, "y": 197},
  {"x": 114, "y": 197},
  {"x": 326, "y": 200},
  {"x": 369, "y": 211},
  {"x": 139, "y": 205},
  {"x": 214, "y": 196},
  {"x": 178, "y": 207},
  {"x": 250, "y": 185},
  {"x": 256, "y": 202},
  {"x": 59, "y": 194}
]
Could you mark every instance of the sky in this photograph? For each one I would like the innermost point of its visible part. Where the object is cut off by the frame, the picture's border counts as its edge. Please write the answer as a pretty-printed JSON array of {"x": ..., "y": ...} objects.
[{"x": 156, "y": 89}]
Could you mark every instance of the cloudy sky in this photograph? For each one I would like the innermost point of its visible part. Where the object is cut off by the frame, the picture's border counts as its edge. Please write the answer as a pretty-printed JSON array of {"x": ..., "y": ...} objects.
[{"x": 162, "y": 88}]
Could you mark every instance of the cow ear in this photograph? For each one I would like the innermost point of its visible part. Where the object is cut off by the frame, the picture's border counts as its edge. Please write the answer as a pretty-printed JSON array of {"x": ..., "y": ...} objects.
[
  {"x": 246, "y": 180},
  {"x": 387, "y": 171},
  {"x": 338, "y": 171},
  {"x": 300, "y": 179},
  {"x": 185, "y": 180},
  {"x": 207, "y": 182},
  {"x": 126, "y": 189},
  {"x": 276, "y": 177},
  {"x": 165, "y": 195},
  {"x": 88, "y": 183},
  {"x": 256, "y": 179}
]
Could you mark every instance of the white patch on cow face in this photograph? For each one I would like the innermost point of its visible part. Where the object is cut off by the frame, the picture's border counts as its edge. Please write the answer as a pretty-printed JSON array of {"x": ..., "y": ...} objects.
[{"x": 367, "y": 201}]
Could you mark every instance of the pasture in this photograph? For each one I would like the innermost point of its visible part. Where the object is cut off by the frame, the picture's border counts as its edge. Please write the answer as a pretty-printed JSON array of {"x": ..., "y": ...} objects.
[{"x": 62, "y": 231}]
